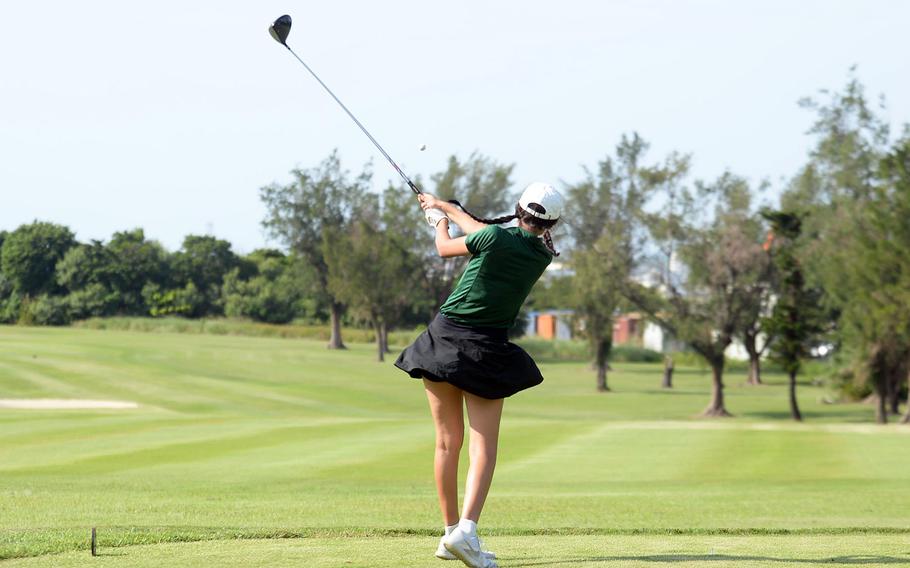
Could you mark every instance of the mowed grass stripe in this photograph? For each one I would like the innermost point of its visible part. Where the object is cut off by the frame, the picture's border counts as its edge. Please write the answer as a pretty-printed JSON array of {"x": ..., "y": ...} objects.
[
  {"x": 46, "y": 441},
  {"x": 696, "y": 455},
  {"x": 26, "y": 379},
  {"x": 211, "y": 447},
  {"x": 52, "y": 377}
]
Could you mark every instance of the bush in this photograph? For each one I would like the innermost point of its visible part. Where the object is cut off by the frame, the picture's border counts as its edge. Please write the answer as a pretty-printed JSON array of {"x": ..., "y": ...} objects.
[
  {"x": 10, "y": 307},
  {"x": 635, "y": 354},
  {"x": 187, "y": 301},
  {"x": 848, "y": 385},
  {"x": 270, "y": 301},
  {"x": 556, "y": 350},
  {"x": 692, "y": 359},
  {"x": 92, "y": 301},
  {"x": 579, "y": 350},
  {"x": 47, "y": 310}
]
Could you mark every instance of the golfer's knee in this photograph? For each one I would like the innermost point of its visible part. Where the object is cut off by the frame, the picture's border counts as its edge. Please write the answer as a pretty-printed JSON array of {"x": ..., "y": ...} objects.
[{"x": 449, "y": 443}]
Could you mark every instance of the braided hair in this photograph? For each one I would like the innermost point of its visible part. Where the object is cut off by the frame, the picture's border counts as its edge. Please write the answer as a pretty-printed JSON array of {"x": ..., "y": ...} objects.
[{"x": 521, "y": 215}]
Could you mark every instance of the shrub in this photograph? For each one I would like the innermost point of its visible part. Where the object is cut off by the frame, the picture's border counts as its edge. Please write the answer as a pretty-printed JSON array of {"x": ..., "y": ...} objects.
[
  {"x": 92, "y": 301},
  {"x": 634, "y": 354},
  {"x": 10, "y": 307},
  {"x": 47, "y": 310},
  {"x": 186, "y": 301},
  {"x": 260, "y": 299}
]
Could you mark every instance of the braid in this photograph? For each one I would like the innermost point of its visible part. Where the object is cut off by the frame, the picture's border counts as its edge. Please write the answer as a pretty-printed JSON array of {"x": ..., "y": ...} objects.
[
  {"x": 519, "y": 214},
  {"x": 548, "y": 240},
  {"x": 494, "y": 221}
]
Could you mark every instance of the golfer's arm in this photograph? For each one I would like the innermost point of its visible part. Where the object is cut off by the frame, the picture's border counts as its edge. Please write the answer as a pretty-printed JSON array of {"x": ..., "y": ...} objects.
[
  {"x": 460, "y": 218},
  {"x": 446, "y": 246}
]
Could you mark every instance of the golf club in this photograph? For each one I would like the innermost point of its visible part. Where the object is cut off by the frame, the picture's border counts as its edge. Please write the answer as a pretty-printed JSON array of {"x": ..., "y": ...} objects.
[{"x": 280, "y": 29}]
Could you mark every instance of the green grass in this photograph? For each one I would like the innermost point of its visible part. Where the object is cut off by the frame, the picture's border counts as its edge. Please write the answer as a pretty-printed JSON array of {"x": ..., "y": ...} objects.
[
  {"x": 270, "y": 451},
  {"x": 569, "y": 551}
]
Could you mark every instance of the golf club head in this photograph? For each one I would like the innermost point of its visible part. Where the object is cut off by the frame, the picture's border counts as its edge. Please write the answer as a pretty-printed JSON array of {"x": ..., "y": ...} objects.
[{"x": 280, "y": 29}]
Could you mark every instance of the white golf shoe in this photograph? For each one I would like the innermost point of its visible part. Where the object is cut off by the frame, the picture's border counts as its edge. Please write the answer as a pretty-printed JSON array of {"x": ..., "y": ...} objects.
[
  {"x": 443, "y": 554},
  {"x": 468, "y": 549}
]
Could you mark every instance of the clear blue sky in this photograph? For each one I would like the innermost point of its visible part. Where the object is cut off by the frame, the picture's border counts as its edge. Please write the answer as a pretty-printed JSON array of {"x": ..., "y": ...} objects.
[{"x": 170, "y": 115}]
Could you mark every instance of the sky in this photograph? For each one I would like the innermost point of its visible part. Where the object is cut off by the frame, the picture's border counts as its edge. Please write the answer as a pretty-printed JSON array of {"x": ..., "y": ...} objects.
[{"x": 171, "y": 116}]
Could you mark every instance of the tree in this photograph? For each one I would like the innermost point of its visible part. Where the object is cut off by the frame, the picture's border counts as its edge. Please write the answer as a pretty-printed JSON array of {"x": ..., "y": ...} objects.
[
  {"x": 84, "y": 264},
  {"x": 598, "y": 279},
  {"x": 890, "y": 213},
  {"x": 137, "y": 262},
  {"x": 109, "y": 279},
  {"x": 604, "y": 221},
  {"x": 703, "y": 268},
  {"x": 552, "y": 293},
  {"x": 85, "y": 272},
  {"x": 795, "y": 320},
  {"x": 274, "y": 294},
  {"x": 372, "y": 270},
  {"x": 757, "y": 277},
  {"x": 874, "y": 294},
  {"x": 30, "y": 255},
  {"x": 403, "y": 219},
  {"x": 667, "y": 381},
  {"x": 846, "y": 234},
  {"x": 479, "y": 182},
  {"x": 9, "y": 304},
  {"x": 308, "y": 213},
  {"x": 204, "y": 261}
]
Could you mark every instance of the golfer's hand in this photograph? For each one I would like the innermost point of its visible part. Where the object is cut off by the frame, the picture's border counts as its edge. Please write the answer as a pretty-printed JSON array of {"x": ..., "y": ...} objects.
[
  {"x": 434, "y": 216},
  {"x": 428, "y": 201}
]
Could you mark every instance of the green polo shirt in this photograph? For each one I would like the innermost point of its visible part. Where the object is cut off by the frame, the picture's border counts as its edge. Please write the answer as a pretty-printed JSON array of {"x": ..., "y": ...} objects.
[{"x": 504, "y": 266}]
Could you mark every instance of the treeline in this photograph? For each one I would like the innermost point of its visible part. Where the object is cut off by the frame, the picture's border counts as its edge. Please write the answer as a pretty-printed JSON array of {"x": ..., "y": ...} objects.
[
  {"x": 47, "y": 278},
  {"x": 823, "y": 272}
]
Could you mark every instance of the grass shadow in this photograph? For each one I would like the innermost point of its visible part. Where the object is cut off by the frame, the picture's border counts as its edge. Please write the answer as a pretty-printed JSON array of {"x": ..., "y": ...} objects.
[
  {"x": 844, "y": 416},
  {"x": 853, "y": 559}
]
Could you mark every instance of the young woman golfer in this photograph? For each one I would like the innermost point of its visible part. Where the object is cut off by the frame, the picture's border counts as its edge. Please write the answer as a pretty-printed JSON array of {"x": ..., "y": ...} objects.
[{"x": 465, "y": 358}]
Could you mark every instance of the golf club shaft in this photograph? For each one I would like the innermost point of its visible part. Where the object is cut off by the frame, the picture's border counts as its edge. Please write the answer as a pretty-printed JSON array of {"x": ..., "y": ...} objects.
[{"x": 354, "y": 118}]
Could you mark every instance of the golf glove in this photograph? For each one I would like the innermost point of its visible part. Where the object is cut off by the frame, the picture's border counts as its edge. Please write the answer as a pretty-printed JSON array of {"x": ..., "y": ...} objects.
[{"x": 434, "y": 216}]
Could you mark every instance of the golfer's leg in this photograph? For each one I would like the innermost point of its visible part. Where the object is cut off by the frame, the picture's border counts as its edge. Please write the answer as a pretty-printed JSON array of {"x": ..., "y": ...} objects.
[
  {"x": 483, "y": 415},
  {"x": 448, "y": 416}
]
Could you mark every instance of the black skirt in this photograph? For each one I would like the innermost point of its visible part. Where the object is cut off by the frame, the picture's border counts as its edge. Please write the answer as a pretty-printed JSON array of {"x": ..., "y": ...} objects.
[{"x": 479, "y": 360}]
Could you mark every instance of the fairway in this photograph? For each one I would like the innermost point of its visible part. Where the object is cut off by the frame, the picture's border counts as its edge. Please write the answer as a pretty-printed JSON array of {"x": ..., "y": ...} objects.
[{"x": 274, "y": 452}]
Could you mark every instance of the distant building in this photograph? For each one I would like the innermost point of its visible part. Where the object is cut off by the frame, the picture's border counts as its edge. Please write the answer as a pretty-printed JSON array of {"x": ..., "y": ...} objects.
[
  {"x": 628, "y": 329},
  {"x": 633, "y": 329},
  {"x": 550, "y": 324}
]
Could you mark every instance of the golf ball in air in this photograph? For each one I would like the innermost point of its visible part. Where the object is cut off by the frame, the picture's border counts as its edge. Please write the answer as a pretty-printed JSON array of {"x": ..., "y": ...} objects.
[{"x": 423, "y": 147}]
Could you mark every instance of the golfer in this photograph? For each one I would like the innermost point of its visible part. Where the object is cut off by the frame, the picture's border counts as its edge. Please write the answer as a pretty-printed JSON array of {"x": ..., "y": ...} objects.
[{"x": 465, "y": 358}]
